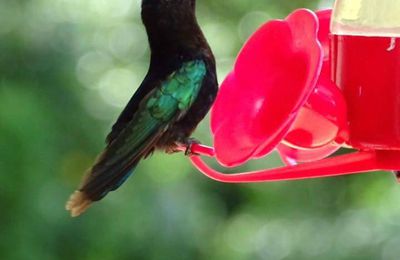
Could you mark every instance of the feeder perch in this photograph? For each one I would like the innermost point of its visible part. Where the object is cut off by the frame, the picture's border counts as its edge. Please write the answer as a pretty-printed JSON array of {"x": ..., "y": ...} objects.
[{"x": 307, "y": 86}]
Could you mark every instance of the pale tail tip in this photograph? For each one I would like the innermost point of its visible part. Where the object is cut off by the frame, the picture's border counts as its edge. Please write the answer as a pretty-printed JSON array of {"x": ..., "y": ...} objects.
[{"x": 77, "y": 203}]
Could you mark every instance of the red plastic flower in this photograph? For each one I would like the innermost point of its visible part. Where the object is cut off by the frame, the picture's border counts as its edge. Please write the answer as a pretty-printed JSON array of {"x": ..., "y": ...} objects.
[{"x": 279, "y": 94}]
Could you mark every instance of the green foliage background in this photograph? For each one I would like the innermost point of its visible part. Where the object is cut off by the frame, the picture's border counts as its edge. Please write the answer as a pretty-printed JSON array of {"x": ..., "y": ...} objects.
[{"x": 67, "y": 68}]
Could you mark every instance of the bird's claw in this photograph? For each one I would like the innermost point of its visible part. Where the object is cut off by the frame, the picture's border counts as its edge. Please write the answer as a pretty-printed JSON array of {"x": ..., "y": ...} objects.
[{"x": 189, "y": 143}]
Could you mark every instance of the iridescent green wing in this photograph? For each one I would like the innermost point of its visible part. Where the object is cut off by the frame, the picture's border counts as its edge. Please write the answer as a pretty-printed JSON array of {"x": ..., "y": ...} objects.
[
  {"x": 165, "y": 104},
  {"x": 156, "y": 112}
]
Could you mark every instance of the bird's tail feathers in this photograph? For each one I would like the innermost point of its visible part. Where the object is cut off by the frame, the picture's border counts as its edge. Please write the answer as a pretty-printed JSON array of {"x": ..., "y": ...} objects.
[
  {"x": 98, "y": 181},
  {"x": 78, "y": 203},
  {"x": 111, "y": 170}
]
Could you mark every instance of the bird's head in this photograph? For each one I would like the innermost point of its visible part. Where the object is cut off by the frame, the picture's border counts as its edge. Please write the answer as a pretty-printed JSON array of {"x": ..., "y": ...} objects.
[
  {"x": 165, "y": 4},
  {"x": 169, "y": 13},
  {"x": 171, "y": 26}
]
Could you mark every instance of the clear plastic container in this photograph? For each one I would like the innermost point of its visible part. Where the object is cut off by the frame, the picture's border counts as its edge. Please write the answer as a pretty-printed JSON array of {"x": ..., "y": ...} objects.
[
  {"x": 365, "y": 56},
  {"x": 366, "y": 17}
]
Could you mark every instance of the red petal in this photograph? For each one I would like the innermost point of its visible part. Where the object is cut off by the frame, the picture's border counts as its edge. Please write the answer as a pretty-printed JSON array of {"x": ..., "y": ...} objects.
[
  {"x": 322, "y": 118},
  {"x": 274, "y": 74}
]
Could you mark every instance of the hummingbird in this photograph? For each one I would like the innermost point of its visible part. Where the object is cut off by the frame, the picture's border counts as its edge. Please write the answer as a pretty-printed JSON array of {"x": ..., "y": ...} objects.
[{"x": 175, "y": 95}]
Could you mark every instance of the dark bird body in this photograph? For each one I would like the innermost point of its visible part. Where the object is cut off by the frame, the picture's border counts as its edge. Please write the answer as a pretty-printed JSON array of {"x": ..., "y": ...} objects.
[{"x": 174, "y": 97}]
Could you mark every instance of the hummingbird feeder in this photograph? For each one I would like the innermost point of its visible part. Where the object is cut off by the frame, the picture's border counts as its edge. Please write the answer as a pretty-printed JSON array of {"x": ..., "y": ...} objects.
[{"x": 307, "y": 86}]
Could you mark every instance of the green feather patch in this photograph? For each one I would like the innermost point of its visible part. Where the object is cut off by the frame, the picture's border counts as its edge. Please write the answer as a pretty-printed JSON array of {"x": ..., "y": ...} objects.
[{"x": 175, "y": 95}]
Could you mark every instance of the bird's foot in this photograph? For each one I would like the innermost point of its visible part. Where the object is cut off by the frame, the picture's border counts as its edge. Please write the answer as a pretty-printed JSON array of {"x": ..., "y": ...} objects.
[
  {"x": 189, "y": 143},
  {"x": 177, "y": 146}
]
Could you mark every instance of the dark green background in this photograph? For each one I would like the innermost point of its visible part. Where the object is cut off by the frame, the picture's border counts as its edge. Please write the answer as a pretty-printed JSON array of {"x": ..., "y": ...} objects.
[{"x": 67, "y": 67}]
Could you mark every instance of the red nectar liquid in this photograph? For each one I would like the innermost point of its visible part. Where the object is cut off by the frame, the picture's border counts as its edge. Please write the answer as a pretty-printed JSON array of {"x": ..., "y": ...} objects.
[{"x": 367, "y": 69}]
